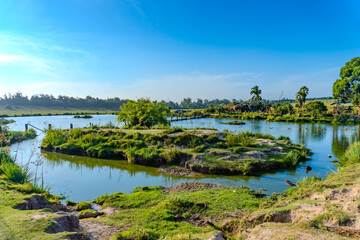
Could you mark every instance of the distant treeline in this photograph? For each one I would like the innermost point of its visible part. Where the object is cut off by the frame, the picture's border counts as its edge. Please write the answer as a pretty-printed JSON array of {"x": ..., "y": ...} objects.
[
  {"x": 187, "y": 103},
  {"x": 61, "y": 101},
  {"x": 18, "y": 99}
]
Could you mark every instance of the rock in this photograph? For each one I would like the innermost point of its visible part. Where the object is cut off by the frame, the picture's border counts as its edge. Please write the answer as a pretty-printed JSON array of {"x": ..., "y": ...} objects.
[
  {"x": 201, "y": 204},
  {"x": 40, "y": 202},
  {"x": 89, "y": 214},
  {"x": 217, "y": 236},
  {"x": 178, "y": 218},
  {"x": 82, "y": 206},
  {"x": 65, "y": 222},
  {"x": 227, "y": 225}
]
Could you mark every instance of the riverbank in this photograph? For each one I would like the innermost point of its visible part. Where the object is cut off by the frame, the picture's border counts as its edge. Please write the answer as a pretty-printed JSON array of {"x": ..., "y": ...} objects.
[
  {"x": 199, "y": 150},
  {"x": 10, "y": 137},
  {"x": 304, "y": 117}
]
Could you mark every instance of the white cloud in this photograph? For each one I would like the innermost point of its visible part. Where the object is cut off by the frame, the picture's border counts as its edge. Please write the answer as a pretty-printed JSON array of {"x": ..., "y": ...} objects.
[{"x": 8, "y": 58}]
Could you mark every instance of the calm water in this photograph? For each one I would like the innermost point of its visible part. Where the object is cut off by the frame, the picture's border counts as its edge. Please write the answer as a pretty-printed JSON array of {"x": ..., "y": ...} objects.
[{"x": 83, "y": 178}]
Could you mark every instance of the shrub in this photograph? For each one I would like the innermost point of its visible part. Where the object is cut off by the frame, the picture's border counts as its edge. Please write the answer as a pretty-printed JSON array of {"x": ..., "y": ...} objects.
[
  {"x": 173, "y": 156},
  {"x": 237, "y": 150},
  {"x": 15, "y": 173},
  {"x": 82, "y": 206},
  {"x": 187, "y": 139},
  {"x": 281, "y": 137},
  {"x": 200, "y": 148},
  {"x": 351, "y": 155},
  {"x": 232, "y": 140},
  {"x": 70, "y": 203},
  {"x": 213, "y": 138},
  {"x": 172, "y": 130}
]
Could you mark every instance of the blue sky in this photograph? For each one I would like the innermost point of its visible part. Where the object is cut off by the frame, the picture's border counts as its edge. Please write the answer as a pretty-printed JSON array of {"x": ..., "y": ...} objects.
[{"x": 166, "y": 49}]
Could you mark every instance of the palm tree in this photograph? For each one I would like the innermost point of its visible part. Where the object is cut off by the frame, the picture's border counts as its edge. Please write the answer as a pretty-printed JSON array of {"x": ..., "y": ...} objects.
[
  {"x": 256, "y": 92},
  {"x": 301, "y": 95}
]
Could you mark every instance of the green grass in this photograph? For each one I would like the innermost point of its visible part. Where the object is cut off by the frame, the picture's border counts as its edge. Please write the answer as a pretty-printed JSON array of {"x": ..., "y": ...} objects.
[
  {"x": 14, "y": 189},
  {"x": 153, "y": 211},
  {"x": 10, "y": 137}
]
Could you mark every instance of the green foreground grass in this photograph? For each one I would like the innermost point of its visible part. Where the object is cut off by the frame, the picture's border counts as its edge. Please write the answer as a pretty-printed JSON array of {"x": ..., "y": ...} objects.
[{"x": 154, "y": 213}]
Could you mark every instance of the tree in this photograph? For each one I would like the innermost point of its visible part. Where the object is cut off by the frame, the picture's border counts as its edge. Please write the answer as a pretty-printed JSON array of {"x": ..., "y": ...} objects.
[
  {"x": 255, "y": 92},
  {"x": 144, "y": 113},
  {"x": 284, "y": 108},
  {"x": 219, "y": 108},
  {"x": 316, "y": 106},
  {"x": 301, "y": 95},
  {"x": 347, "y": 87}
]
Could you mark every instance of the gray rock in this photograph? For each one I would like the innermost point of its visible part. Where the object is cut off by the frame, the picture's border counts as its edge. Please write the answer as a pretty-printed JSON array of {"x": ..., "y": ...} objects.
[{"x": 217, "y": 236}]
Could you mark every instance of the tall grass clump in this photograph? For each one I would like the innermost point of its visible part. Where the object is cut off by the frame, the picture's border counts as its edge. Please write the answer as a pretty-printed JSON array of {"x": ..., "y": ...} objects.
[
  {"x": 54, "y": 137},
  {"x": 11, "y": 171},
  {"x": 232, "y": 140},
  {"x": 292, "y": 158},
  {"x": 173, "y": 155},
  {"x": 351, "y": 155},
  {"x": 244, "y": 140}
]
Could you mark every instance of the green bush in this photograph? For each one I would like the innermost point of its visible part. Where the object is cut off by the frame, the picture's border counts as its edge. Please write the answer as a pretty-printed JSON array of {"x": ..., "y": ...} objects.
[
  {"x": 15, "y": 173},
  {"x": 281, "y": 137},
  {"x": 187, "y": 139},
  {"x": 200, "y": 148},
  {"x": 237, "y": 150},
  {"x": 173, "y": 156},
  {"x": 351, "y": 155},
  {"x": 213, "y": 138}
]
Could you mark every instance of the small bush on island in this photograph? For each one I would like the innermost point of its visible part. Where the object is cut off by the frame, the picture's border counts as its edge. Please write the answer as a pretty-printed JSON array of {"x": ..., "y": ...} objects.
[
  {"x": 143, "y": 113},
  {"x": 83, "y": 116}
]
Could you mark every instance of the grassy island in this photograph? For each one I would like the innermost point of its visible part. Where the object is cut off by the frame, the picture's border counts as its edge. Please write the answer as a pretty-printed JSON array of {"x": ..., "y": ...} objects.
[
  {"x": 83, "y": 116},
  {"x": 200, "y": 150},
  {"x": 10, "y": 137},
  {"x": 6, "y": 121},
  {"x": 234, "y": 123}
]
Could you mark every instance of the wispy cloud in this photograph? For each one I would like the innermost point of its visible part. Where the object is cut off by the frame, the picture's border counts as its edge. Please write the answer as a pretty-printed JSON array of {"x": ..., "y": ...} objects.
[
  {"x": 34, "y": 58},
  {"x": 136, "y": 5}
]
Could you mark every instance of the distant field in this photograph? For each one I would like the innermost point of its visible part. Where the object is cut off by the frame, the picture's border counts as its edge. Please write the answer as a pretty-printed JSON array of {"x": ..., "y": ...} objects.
[{"x": 27, "y": 110}]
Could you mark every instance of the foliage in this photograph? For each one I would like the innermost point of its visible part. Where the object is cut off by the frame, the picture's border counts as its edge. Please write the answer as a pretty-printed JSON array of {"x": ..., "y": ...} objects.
[
  {"x": 301, "y": 95},
  {"x": 285, "y": 108},
  {"x": 10, "y": 137},
  {"x": 144, "y": 113},
  {"x": 316, "y": 106},
  {"x": 255, "y": 92},
  {"x": 351, "y": 155},
  {"x": 347, "y": 87}
]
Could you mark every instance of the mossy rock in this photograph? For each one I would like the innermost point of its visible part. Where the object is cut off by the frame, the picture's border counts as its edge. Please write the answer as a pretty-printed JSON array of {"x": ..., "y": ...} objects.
[{"x": 82, "y": 206}]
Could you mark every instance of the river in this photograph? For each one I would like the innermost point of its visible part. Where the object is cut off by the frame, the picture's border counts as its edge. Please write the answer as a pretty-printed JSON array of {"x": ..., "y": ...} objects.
[{"x": 84, "y": 178}]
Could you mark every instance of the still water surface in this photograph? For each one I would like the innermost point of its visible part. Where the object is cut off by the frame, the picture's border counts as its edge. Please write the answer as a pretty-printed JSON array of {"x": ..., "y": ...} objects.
[{"x": 84, "y": 178}]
